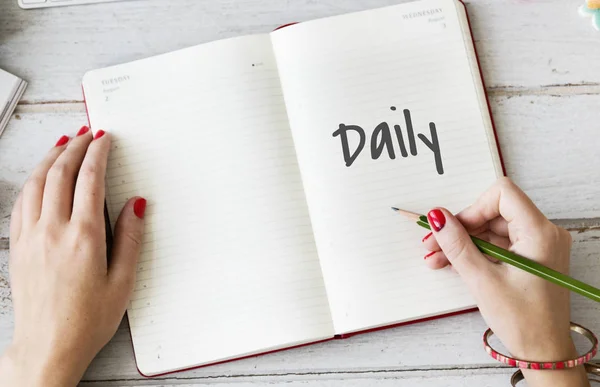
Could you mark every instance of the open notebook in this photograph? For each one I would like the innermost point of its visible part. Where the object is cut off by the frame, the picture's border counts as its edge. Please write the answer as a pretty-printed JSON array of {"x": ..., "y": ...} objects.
[{"x": 270, "y": 163}]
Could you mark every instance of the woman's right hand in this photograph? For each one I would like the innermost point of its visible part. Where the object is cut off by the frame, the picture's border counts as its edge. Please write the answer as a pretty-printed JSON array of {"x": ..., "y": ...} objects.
[{"x": 531, "y": 316}]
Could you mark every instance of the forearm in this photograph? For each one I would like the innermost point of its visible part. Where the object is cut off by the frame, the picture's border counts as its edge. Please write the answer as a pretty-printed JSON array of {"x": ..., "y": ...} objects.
[{"x": 573, "y": 377}]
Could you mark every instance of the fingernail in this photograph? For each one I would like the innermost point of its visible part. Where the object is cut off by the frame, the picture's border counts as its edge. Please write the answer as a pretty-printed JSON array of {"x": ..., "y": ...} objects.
[
  {"x": 429, "y": 255},
  {"x": 139, "y": 208},
  {"x": 62, "y": 141},
  {"x": 426, "y": 237},
  {"x": 437, "y": 220},
  {"x": 99, "y": 134},
  {"x": 84, "y": 129}
]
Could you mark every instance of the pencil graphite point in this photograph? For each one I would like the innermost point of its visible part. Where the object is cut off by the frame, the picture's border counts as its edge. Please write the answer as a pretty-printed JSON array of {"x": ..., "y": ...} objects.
[{"x": 408, "y": 214}]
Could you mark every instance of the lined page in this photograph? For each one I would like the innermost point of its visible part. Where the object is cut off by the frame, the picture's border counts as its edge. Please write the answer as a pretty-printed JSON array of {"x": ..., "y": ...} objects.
[
  {"x": 406, "y": 67},
  {"x": 229, "y": 264}
]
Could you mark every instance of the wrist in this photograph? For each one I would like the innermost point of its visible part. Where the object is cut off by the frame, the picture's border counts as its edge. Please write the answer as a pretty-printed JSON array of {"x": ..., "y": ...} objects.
[
  {"x": 22, "y": 367},
  {"x": 571, "y": 377},
  {"x": 551, "y": 348},
  {"x": 556, "y": 349}
]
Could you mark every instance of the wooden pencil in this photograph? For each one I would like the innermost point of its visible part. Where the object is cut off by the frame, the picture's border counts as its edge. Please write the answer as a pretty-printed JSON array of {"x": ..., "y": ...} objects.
[{"x": 518, "y": 261}]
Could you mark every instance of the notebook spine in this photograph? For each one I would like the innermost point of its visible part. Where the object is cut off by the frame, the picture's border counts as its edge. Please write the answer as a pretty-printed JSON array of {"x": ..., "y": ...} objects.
[{"x": 487, "y": 98}]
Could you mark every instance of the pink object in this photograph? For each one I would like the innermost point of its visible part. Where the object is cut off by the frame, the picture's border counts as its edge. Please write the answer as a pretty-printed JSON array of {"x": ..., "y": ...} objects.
[{"x": 544, "y": 365}]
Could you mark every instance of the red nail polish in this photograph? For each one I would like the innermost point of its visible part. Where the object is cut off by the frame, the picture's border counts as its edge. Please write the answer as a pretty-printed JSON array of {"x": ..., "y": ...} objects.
[
  {"x": 426, "y": 237},
  {"x": 99, "y": 134},
  {"x": 437, "y": 220},
  {"x": 84, "y": 129},
  {"x": 62, "y": 141},
  {"x": 139, "y": 208},
  {"x": 429, "y": 255}
]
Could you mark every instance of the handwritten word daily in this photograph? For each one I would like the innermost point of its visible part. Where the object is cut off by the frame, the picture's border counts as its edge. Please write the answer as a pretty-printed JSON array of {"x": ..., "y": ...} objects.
[{"x": 381, "y": 140}]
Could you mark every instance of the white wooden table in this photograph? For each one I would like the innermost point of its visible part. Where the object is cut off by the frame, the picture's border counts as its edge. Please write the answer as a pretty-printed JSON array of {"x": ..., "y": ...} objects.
[{"x": 541, "y": 65}]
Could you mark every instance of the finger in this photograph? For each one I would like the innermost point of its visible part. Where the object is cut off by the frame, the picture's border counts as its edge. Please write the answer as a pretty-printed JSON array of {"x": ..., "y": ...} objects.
[
  {"x": 88, "y": 201},
  {"x": 504, "y": 199},
  {"x": 60, "y": 183},
  {"x": 458, "y": 247},
  {"x": 494, "y": 239},
  {"x": 499, "y": 226},
  {"x": 436, "y": 260},
  {"x": 33, "y": 190},
  {"x": 128, "y": 234},
  {"x": 15, "y": 220},
  {"x": 430, "y": 243}
]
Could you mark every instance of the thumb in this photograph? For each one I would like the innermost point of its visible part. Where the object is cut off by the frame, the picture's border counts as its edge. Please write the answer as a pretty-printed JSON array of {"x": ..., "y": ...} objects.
[
  {"x": 457, "y": 245},
  {"x": 128, "y": 234}
]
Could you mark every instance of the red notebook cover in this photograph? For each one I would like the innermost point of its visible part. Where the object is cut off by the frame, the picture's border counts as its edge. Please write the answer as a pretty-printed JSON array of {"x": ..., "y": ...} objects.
[{"x": 342, "y": 336}]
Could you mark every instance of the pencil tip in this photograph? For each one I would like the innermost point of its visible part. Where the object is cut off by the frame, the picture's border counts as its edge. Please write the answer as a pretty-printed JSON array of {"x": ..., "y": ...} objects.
[{"x": 408, "y": 214}]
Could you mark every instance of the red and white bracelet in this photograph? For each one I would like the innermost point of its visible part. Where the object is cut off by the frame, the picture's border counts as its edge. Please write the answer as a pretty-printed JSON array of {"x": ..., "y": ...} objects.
[
  {"x": 590, "y": 368},
  {"x": 557, "y": 365}
]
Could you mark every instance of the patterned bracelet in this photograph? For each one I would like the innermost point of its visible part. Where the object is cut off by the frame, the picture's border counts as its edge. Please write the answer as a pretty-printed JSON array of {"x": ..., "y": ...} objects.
[
  {"x": 590, "y": 368},
  {"x": 545, "y": 365}
]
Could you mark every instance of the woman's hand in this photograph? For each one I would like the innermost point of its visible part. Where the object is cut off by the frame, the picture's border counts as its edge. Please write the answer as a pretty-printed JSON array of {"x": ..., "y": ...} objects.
[
  {"x": 531, "y": 316},
  {"x": 68, "y": 301}
]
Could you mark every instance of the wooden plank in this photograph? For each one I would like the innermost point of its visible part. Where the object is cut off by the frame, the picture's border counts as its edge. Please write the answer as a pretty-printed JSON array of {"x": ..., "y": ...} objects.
[
  {"x": 521, "y": 44},
  {"x": 449, "y": 343},
  {"x": 548, "y": 144},
  {"x": 579, "y": 225},
  {"x": 549, "y": 150},
  {"x": 445, "y": 378},
  {"x": 6, "y": 311},
  {"x": 23, "y": 144}
]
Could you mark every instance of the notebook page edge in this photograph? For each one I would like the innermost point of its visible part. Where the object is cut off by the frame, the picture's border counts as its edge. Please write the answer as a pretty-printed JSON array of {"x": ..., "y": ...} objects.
[
  {"x": 150, "y": 59},
  {"x": 260, "y": 352},
  {"x": 12, "y": 103},
  {"x": 425, "y": 317},
  {"x": 494, "y": 146}
]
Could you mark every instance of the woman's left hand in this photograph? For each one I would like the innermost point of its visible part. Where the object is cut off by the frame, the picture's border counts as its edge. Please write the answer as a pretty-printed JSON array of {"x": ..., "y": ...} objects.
[{"x": 68, "y": 300}]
